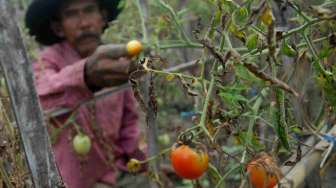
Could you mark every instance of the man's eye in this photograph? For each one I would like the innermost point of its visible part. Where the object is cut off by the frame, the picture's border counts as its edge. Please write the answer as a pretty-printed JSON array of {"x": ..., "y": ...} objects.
[
  {"x": 91, "y": 9},
  {"x": 70, "y": 14}
]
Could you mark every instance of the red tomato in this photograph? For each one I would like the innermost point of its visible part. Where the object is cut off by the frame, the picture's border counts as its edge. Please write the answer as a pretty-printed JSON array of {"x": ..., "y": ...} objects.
[
  {"x": 188, "y": 163},
  {"x": 263, "y": 172}
]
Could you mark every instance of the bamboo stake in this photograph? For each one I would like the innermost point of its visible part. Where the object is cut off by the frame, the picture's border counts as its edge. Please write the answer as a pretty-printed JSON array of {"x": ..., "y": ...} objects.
[{"x": 296, "y": 176}]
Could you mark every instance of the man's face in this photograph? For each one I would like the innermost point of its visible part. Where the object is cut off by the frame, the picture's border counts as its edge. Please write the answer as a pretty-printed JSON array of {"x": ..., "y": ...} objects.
[{"x": 81, "y": 24}]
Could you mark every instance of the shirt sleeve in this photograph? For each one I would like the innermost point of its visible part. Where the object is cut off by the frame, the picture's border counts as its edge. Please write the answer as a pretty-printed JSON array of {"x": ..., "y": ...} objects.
[{"x": 57, "y": 87}]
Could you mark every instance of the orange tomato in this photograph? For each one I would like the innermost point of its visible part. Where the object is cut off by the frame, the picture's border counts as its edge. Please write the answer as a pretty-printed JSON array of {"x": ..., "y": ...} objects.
[
  {"x": 189, "y": 163},
  {"x": 263, "y": 172},
  {"x": 134, "y": 47}
]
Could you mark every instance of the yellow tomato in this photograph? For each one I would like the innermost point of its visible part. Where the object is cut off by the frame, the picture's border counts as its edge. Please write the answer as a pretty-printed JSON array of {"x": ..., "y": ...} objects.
[{"x": 134, "y": 47}]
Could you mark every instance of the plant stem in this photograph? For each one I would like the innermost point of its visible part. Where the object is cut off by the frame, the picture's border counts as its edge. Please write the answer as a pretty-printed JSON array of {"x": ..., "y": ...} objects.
[
  {"x": 257, "y": 29},
  {"x": 316, "y": 61},
  {"x": 310, "y": 46},
  {"x": 143, "y": 24},
  {"x": 156, "y": 156},
  {"x": 264, "y": 51},
  {"x": 301, "y": 28},
  {"x": 4, "y": 175},
  {"x": 211, "y": 87},
  {"x": 225, "y": 175},
  {"x": 303, "y": 15},
  {"x": 255, "y": 110},
  {"x": 215, "y": 170},
  {"x": 181, "y": 45},
  {"x": 172, "y": 73},
  {"x": 175, "y": 18},
  {"x": 227, "y": 40}
]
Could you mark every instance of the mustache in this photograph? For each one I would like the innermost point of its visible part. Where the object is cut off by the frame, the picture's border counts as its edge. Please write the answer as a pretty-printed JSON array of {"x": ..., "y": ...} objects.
[{"x": 86, "y": 35}]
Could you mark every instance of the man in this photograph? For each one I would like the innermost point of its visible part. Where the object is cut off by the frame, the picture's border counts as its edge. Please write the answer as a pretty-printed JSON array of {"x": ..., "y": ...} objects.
[{"x": 69, "y": 70}]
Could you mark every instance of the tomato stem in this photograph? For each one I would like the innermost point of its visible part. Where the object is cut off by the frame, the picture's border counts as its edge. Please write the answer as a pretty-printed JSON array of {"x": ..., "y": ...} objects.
[
  {"x": 219, "y": 184},
  {"x": 156, "y": 156},
  {"x": 211, "y": 87}
]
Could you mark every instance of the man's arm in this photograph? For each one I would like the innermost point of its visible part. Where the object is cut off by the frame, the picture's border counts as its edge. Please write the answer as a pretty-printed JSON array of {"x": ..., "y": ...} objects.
[
  {"x": 70, "y": 85},
  {"x": 60, "y": 87}
]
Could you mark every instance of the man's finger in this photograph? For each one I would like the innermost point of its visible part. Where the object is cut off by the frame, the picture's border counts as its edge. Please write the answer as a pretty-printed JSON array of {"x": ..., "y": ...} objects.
[{"x": 112, "y": 51}]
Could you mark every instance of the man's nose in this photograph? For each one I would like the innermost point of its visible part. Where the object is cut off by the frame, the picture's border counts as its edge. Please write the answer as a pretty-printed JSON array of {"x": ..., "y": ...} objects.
[{"x": 84, "y": 22}]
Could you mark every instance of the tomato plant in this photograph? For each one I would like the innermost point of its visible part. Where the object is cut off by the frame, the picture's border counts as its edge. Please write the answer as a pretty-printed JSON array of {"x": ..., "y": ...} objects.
[
  {"x": 81, "y": 144},
  {"x": 189, "y": 163},
  {"x": 255, "y": 63},
  {"x": 164, "y": 139}
]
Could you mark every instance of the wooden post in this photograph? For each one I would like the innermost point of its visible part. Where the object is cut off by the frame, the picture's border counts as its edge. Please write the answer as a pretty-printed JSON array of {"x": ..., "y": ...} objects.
[
  {"x": 296, "y": 176},
  {"x": 25, "y": 104},
  {"x": 151, "y": 129}
]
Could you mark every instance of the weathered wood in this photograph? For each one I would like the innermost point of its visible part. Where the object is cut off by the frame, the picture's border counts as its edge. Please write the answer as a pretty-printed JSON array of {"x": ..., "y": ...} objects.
[
  {"x": 296, "y": 176},
  {"x": 151, "y": 129},
  {"x": 25, "y": 104}
]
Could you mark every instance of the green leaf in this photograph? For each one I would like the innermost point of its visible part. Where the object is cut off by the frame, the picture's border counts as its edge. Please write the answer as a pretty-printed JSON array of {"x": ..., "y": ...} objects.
[
  {"x": 325, "y": 51},
  {"x": 233, "y": 28},
  {"x": 233, "y": 149},
  {"x": 231, "y": 97},
  {"x": 243, "y": 74},
  {"x": 287, "y": 50},
  {"x": 254, "y": 143},
  {"x": 296, "y": 130},
  {"x": 232, "y": 94},
  {"x": 240, "y": 16},
  {"x": 252, "y": 42}
]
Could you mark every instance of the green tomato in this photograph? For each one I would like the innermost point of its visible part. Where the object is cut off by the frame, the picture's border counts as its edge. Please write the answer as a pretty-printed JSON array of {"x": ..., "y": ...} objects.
[
  {"x": 81, "y": 144},
  {"x": 164, "y": 139}
]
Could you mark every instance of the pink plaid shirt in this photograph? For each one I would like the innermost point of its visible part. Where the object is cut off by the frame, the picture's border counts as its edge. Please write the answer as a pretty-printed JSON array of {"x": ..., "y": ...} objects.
[{"x": 59, "y": 80}]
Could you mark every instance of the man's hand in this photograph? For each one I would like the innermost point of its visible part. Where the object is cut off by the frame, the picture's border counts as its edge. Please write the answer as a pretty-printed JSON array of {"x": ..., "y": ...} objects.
[{"x": 108, "y": 66}]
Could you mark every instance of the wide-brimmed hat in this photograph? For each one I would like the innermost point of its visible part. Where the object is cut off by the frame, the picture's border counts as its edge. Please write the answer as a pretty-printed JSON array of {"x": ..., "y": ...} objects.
[{"x": 41, "y": 12}]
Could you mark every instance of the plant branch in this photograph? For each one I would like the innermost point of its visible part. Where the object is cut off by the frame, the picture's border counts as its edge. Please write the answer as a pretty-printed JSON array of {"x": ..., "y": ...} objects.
[
  {"x": 4, "y": 175},
  {"x": 202, "y": 123},
  {"x": 316, "y": 61},
  {"x": 162, "y": 152},
  {"x": 175, "y": 18},
  {"x": 274, "y": 81},
  {"x": 226, "y": 175},
  {"x": 143, "y": 22}
]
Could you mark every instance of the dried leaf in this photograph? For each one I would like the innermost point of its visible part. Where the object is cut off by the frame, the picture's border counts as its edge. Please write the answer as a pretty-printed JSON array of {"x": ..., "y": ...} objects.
[{"x": 267, "y": 16}]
